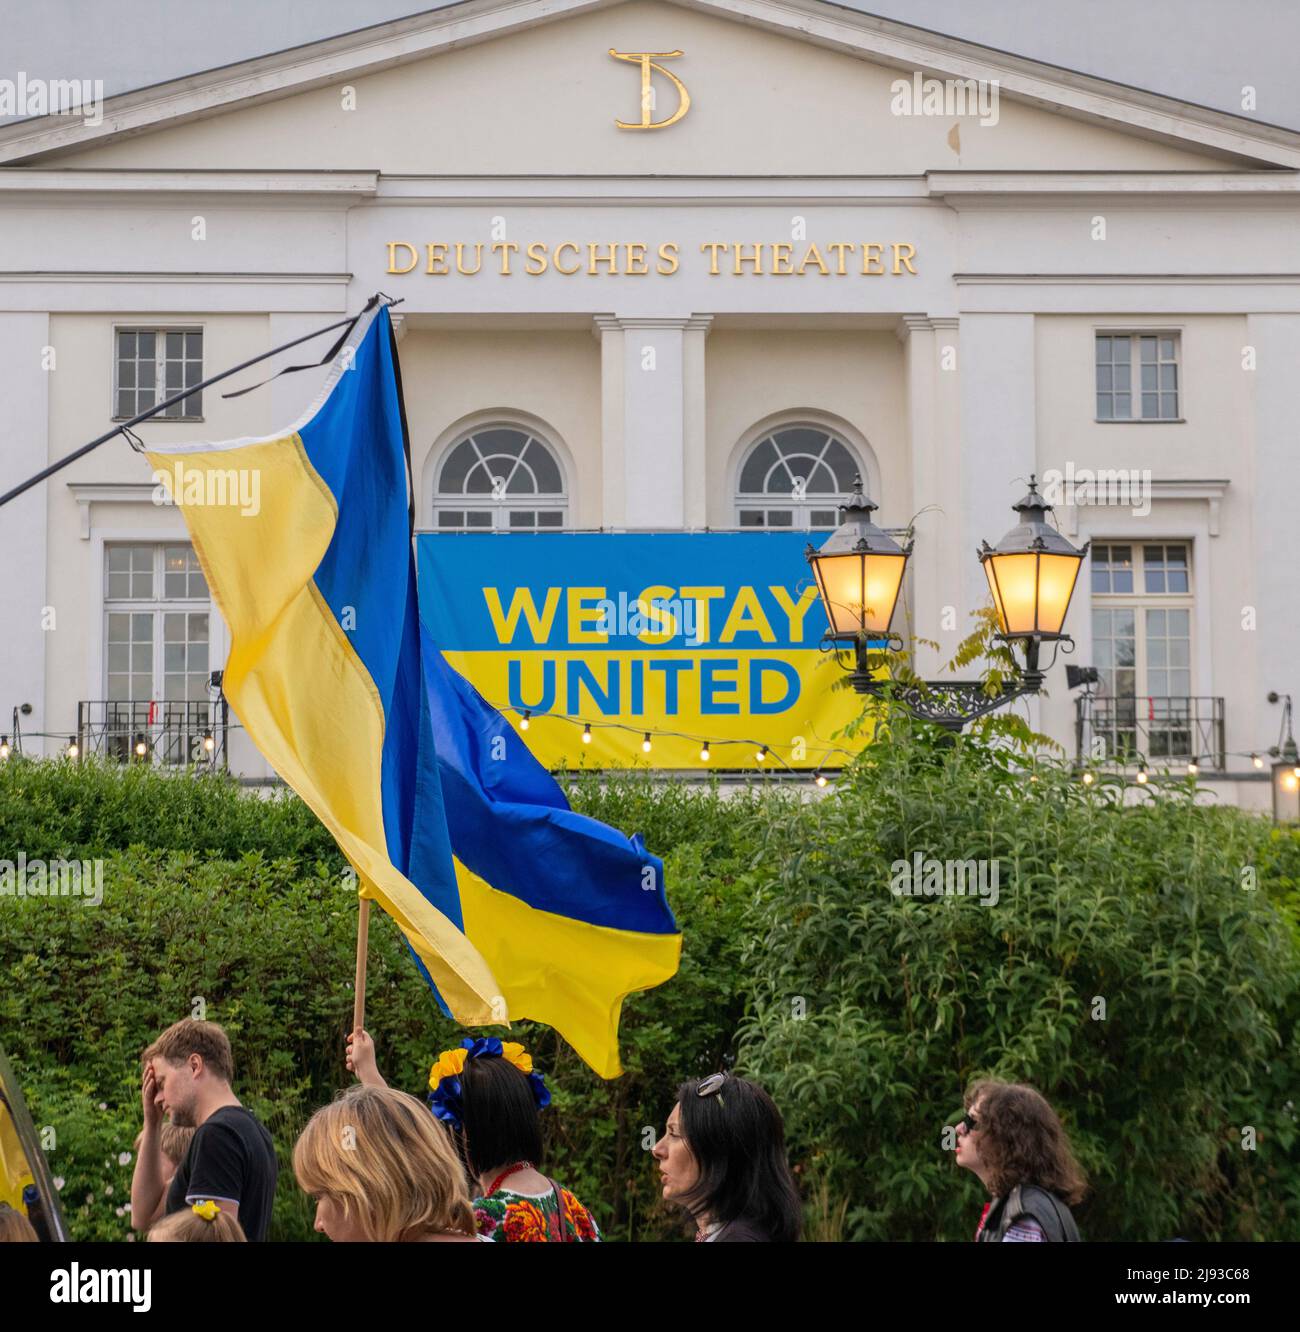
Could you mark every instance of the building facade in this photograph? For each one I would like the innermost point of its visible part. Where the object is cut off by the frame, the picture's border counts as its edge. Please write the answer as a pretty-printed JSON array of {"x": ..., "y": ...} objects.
[{"x": 678, "y": 266}]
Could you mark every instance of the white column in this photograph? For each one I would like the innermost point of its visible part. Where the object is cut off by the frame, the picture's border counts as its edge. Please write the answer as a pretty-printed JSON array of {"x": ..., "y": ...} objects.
[
  {"x": 998, "y": 450},
  {"x": 1275, "y": 553},
  {"x": 25, "y": 388},
  {"x": 933, "y": 414},
  {"x": 652, "y": 386}
]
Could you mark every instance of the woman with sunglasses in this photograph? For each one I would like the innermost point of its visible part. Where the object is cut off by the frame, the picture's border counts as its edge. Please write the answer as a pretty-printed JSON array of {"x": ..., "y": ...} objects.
[
  {"x": 1013, "y": 1140},
  {"x": 722, "y": 1159}
]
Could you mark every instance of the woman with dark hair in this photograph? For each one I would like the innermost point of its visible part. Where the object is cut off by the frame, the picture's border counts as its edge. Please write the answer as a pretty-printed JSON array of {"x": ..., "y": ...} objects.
[
  {"x": 1013, "y": 1140},
  {"x": 722, "y": 1159},
  {"x": 488, "y": 1095}
]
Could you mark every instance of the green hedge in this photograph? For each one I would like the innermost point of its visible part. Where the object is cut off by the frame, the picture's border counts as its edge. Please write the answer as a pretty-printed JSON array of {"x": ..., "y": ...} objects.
[
  {"x": 238, "y": 900},
  {"x": 871, "y": 1011},
  {"x": 255, "y": 920}
]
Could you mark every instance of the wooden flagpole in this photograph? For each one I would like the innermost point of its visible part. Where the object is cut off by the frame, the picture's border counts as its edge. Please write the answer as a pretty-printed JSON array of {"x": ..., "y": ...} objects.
[{"x": 359, "y": 988}]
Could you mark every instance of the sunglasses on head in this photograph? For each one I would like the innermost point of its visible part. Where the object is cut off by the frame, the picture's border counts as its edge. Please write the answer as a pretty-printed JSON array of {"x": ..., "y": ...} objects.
[{"x": 711, "y": 1085}]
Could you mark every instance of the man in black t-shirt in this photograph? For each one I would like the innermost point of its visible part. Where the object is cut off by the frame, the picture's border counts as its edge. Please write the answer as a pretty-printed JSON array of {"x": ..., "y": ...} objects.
[{"x": 231, "y": 1159}]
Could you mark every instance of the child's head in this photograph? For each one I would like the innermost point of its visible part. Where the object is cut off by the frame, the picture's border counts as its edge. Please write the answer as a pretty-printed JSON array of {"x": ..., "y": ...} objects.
[
  {"x": 202, "y": 1223},
  {"x": 174, "y": 1141},
  {"x": 15, "y": 1228}
]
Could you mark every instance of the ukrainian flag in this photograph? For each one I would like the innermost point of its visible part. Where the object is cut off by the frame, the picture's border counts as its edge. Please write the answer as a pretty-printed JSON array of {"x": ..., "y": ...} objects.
[
  {"x": 513, "y": 904},
  {"x": 570, "y": 914},
  {"x": 317, "y": 585}
]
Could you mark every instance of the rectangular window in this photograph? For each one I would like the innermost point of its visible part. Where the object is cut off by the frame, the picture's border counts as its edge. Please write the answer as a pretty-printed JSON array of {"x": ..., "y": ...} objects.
[
  {"x": 1142, "y": 606},
  {"x": 154, "y": 364},
  {"x": 157, "y": 657},
  {"x": 1137, "y": 376}
]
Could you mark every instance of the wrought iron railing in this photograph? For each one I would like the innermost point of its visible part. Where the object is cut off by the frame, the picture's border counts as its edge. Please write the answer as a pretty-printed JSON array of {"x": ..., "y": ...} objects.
[
  {"x": 1156, "y": 730},
  {"x": 174, "y": 734}
]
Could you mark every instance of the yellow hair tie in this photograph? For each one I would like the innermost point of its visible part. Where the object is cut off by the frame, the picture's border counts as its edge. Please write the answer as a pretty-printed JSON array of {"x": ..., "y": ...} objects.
[{"x": 207, "y": 1209}]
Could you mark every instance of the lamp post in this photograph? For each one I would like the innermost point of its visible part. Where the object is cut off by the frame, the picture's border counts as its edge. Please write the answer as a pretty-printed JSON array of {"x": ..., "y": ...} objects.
[
  {"x": 1286, "y": 771},
  {"x": 1031, "y": 571}
]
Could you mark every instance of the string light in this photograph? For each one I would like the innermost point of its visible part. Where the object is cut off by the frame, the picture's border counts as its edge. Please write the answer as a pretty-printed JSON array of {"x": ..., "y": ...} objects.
[
  {"x": 1257, "y": 761},
  {"x": 72, "y": 750},
  {"x": 820, "y": 779},
  {"x": 4, "y": 746},
  {"x": 1193, "y": 767},
  {"x": 586, "y": 734},
  {"x": 524, "y": 721},
  {"x": 1088, "y": 779},
  {"x": 141, "y": 748},
  {"x": 209, "y": 743},
  {"x": 704, "y": 752},
  {"x": 761, "y": 756},
  {"x": 645, "y": 744},
  {"x": 1142, "y": 775}
]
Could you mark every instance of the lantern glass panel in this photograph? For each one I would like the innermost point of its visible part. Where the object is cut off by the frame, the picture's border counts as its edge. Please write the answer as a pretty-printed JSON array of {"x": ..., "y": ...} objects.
[
  {"x": 1056, "y": 578},
  {"x": 1014, "y": 583}
]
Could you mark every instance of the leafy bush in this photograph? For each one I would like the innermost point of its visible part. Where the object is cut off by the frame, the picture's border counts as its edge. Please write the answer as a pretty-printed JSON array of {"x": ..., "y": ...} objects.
[
  {"x": 216, "y": 894},
  {"x": 1127, "y": 970}
]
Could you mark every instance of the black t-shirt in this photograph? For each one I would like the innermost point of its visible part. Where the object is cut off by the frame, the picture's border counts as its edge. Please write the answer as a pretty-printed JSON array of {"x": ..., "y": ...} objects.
[{"x": 232, "y": 1158}]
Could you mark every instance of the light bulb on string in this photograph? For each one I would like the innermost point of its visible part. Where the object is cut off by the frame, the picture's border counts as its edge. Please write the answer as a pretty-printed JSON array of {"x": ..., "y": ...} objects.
[
  {"x": 586, "y": 734},
  {"x": 1193, "y": 767},
  {"x": 524, "y": 721},
  {"x": 704, "y": 752},
  {"x": 1088, "y": 779},
  {"x": 1142, "y": 775},
  {"x": 4, "y": 747},
  {"x": 73, "y": 750},
  {"x": 761, "y": 756},
  {"x": 209, "y": 743},
  {"x": 1257, "y": 761},
  {"x": 820, "y": 779},
  {"x": 645, "y": 744}
]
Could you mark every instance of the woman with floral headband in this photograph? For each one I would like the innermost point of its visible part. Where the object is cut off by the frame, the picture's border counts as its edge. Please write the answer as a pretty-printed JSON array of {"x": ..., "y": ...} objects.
[{"x": 490, "y": 1097}]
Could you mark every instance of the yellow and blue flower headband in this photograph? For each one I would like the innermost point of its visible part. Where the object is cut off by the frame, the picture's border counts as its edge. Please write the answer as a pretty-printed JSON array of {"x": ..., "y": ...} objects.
[
  {"x": 444, "y": 1076},
  {"x": 207, "y": 1209}
]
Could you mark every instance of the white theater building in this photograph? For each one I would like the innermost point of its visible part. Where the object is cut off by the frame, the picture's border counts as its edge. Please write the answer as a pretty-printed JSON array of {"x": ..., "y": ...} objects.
[{"x": 826, "y": 243}]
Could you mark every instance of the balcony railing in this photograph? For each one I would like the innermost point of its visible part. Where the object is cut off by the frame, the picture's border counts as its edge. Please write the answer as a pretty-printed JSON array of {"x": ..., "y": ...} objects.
[
  {"x": 174, "y": 734},
  {"x": 1119, "y": 730}
]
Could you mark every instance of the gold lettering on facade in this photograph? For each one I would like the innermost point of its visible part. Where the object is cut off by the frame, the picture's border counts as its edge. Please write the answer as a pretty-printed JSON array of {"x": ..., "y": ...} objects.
[
  {"x": 631, "y": 258},
  {"x": 437, "y": 255},
  {"x": 565, "y": 245},
  {"x": 645, "y": 60},
  {"x": 393, "y": 247}
]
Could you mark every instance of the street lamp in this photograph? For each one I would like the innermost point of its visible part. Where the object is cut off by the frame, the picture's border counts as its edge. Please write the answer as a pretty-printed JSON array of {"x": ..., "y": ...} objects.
[
  {"x": 1031, "y": 571},
  {"x": 1286, "y": 771},
  {"x": 859, "y": 571}
]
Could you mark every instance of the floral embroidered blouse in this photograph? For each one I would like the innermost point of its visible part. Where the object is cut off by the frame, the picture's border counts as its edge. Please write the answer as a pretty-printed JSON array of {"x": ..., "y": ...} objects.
[{"x": 522, "y": 1218}]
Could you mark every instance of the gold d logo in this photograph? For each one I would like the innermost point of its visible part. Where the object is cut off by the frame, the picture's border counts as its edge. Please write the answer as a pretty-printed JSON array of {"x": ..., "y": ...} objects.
[{"x": 643, "y": 58}]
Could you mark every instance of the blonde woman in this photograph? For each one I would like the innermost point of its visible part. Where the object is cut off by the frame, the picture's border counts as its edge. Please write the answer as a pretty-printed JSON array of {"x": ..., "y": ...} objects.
[
  {"x": 201, "y": 1223},
  {"x": 381, "y": 1169}
]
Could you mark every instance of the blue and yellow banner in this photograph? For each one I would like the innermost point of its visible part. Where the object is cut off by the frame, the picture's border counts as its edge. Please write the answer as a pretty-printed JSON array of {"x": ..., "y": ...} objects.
[{"x": 588, "y": 642}]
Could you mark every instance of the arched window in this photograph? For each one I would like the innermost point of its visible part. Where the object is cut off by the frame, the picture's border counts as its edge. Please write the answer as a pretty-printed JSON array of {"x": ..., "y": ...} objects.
[
  {"x": 500, "y": 476},
  {"x": 793, "y": 477}
]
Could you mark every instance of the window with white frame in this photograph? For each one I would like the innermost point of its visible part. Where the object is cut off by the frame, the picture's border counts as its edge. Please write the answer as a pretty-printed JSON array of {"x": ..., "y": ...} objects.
[
  {"x": 794, "y": 477},
  {"x": 157, "y": 622},
  {"x": 500, "y": 477},
  {"x": 1142, "y": 630},
  {"x": 153, "y": 364},
  {"x": 1138, "y": 377}
]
